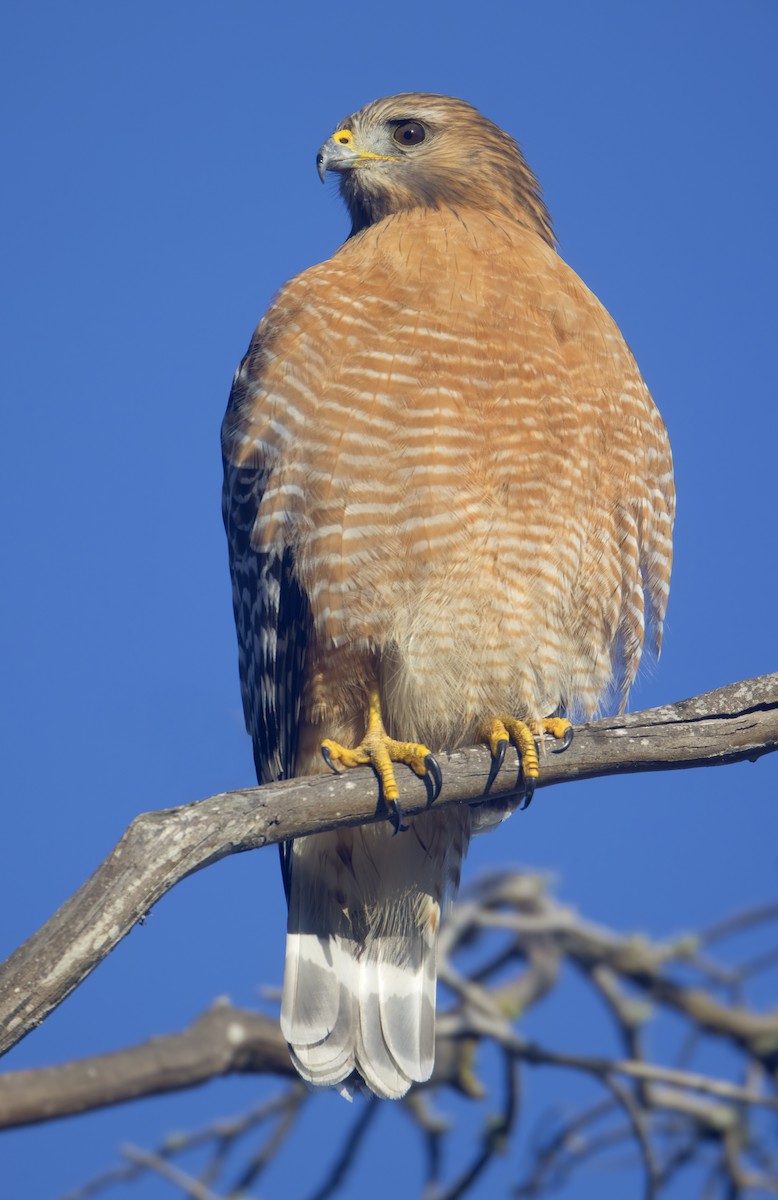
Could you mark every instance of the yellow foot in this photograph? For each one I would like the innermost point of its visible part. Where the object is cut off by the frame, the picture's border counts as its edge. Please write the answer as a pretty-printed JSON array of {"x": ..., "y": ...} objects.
[
  {"x": 380, "y": 751},
  {"x": 501, "y": 730}
]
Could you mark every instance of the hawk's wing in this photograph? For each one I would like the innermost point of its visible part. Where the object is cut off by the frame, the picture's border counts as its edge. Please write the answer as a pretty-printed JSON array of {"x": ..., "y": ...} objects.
[{"x": 272, "y": 618}]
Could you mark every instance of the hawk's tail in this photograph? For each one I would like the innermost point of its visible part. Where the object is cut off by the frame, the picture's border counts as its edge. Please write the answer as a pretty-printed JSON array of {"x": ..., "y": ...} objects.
[{"x": 361, "y": 950}]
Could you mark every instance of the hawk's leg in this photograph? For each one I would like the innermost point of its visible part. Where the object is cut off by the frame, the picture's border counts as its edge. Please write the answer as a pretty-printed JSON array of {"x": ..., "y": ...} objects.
[
  {"x": 380, "y": 752},
  {"x": 501, "y": 730}
]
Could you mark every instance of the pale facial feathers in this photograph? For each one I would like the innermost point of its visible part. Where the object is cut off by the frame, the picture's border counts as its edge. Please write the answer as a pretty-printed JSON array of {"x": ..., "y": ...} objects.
[{"x": 463, "y": 161}]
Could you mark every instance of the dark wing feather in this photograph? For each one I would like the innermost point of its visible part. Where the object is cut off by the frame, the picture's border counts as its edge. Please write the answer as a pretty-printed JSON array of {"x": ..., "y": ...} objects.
[{"x": 272, "y": 618}]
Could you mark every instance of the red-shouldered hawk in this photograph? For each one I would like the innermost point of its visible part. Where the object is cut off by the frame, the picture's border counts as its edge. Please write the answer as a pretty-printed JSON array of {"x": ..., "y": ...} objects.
[{"x": 449, "y": 502}]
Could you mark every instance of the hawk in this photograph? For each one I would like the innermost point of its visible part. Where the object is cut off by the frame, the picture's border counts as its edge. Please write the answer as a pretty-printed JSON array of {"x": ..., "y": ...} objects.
[{"x": 448, "y": 499}]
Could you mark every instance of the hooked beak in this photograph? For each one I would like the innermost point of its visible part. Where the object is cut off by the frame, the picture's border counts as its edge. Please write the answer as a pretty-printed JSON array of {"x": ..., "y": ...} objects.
[
  {"x": 334, "y": 156},
  {"x": 339, "y": 153}
]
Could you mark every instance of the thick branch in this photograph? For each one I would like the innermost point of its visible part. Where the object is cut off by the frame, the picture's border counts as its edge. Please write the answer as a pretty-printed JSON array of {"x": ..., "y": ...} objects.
[
  {"x": 159, "y": 849},
  {"x": 225, "y": 1040},
  {"x": 222, "y": 1041}
]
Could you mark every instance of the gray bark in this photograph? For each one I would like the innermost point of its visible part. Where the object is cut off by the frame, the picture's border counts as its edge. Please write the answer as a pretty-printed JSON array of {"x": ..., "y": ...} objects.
[{"x": 159, "y": 849}]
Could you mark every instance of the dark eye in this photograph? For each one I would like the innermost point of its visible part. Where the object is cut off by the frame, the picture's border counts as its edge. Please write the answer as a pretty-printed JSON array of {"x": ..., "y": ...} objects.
[{"x": 410, "y": 133}]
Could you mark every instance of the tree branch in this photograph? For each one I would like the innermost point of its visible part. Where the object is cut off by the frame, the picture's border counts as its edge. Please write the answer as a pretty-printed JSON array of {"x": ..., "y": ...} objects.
[
  {"x": 226, "y": 1040},
  {"x": 502, "y": 949},
  {"x": 222, "y": 1041},
  {"x": 161, "y": 848}
]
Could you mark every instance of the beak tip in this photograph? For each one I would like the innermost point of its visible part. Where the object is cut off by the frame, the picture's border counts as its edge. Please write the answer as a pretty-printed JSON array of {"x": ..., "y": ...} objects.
[{"x": 321, "y": 166}]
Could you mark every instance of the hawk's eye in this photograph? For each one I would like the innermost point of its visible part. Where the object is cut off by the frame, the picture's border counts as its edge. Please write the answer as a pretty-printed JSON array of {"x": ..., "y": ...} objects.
[{"x": 410, "y": 133}]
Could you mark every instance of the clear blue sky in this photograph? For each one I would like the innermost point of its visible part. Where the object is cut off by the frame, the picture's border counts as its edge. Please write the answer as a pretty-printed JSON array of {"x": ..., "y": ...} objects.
[{"x": 159, "y": 185}]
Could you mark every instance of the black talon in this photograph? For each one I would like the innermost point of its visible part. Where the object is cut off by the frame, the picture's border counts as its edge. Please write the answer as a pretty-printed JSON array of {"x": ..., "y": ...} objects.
[
  {"x": 325, "y": 753},
  {"x": 529, "y": 792},
  {"x": 497, "y": 760},
  {"x": 567, "y": 741},
  {"x": 433, "y": 769},
  {"x": 396, "y": 817}
]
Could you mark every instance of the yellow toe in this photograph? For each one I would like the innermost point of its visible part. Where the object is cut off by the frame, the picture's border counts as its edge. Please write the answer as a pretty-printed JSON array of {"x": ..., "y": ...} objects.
[
  {"x": 497, "y": 732},
  {"x": 381, "y": 752}
]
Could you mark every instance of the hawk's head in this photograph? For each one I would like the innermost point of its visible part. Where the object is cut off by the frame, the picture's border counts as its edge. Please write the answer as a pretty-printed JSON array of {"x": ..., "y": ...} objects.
[{"x": 422, "y": 150}]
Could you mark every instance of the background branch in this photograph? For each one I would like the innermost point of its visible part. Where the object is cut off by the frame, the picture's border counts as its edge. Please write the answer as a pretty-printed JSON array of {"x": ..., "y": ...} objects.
[
  {"x": 503, "y": 950},
  {"x": 223, "y": 1040},
  {"x": 161, "y": 848}
]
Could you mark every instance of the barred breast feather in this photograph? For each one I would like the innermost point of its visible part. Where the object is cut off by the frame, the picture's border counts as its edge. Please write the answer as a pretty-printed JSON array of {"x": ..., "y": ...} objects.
[{"x": 446, "y": 478}]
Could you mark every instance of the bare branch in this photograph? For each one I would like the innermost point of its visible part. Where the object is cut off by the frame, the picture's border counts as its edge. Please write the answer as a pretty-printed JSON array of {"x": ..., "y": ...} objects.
[
  {"x": 296, "y": 1095},
  {"x": 349, "y": 1150},
  {"x": 221, "y": 1136},
  {"x": 494, "y": 1138},
  {"x": 159, "y": 849},
  {"x": 637, "y": 1120},
  {"x": 221, "y": 1041},
  {"x": 167, "y": 1170},
  {"x": 503, "y": 950},
  {"x": 227, "y": 1040},
  {"x": 602, "y": 1067}
]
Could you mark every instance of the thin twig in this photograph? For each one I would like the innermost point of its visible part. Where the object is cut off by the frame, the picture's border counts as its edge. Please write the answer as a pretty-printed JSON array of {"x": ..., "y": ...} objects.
[
  {"x": 166, "y": 1170},
  {"x": 637, "y": 1123},
  {"x": 495, "y": 1136},
  {"x": 295, "y": 1098},
  {"x": 347, "y": 1156},
  {"x": 737, "y": 922},
  {"x": 535, "y": 1054}
]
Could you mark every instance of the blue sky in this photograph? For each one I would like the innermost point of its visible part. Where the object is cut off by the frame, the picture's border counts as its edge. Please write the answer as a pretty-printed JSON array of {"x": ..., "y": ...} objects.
[{"x": 159, "y": 187}]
